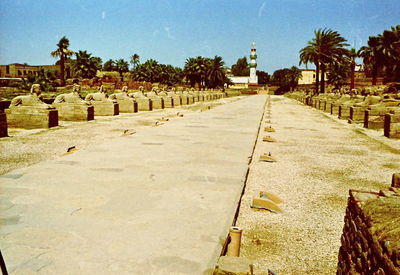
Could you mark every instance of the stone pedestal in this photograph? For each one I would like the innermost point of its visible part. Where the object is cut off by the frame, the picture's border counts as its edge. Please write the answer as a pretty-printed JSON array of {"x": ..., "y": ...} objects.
[
  {"x": 105, "y": 108},
  {"x": 190, "y": 98},
  {"x": 168, "y": 101},
  {"x": 127, "y": 105},
  {"x": 157, "y": 102},
  {"x": 344, "y": 112},
  {"x": 29, "y": 117},
  {"x": 176, "y": 98},
  {"x": 357, "y": 114},
  {"x": 392, "y": 125},
  {"x": 144, "y": 104},
  {"x": 74, "y": 112},
  {"x": 374, "y": 117},
  {"x": 3, "y": 125},
  {"x": 184, "y": 99}
]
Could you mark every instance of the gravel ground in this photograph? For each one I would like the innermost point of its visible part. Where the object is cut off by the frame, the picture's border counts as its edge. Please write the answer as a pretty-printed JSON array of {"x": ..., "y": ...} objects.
[
  {"x": 319, "y": 160},
  {"x": 26, "y": 147}
]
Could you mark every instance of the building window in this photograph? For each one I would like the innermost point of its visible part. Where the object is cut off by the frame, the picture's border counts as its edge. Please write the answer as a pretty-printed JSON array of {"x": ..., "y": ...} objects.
[
  {"x": 7, "y": 69},
  {"x": 313, "y": 75},
  {"x": 19, "y": 73}
]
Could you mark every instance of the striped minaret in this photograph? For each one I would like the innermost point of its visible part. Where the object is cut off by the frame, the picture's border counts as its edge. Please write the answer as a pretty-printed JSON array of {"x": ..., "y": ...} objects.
[{"x": 253, "y": 79}]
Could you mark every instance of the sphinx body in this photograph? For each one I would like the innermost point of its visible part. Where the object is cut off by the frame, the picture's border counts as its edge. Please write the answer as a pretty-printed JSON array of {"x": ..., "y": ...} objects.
[
  {"x": 30, "y": 112},
  {"x": 103, "y": 106},
  {"x": 143, "y": 102},
  {"x": 126, "y": 104}
]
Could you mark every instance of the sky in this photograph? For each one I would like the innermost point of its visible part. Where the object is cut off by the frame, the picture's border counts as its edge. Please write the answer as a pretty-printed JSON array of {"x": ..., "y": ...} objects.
[{"x": 170, "y": 31}]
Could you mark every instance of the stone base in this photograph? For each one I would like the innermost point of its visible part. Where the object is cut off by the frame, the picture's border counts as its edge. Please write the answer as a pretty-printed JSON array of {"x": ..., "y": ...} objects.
[
  {"x": 184, "y": 100},
  {"x": 158, "y": 103},
  {"x": 344, "y": 112},
  {"x": 357, "y": 114},
  {"x": 29, "y": 117},
  {"x": 105, "y": 108},
  {"x": 144, "y": 104},
  {"x": 74, "y": 112},
  {"x": 334, "y": 110},
  {"x": 127, "y": 106},
  {"x": 392, "y": 125},
  {"x": 190, "y": 99},
  {"x": 3, "y": 125},
  {"x": 375, "y": 118},
  {"x": 168, "y": 102}
]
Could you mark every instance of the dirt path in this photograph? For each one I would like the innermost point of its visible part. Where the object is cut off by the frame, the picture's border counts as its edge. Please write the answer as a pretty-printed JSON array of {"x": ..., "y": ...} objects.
[
  {"x": 27, "y": 147},
  {"x": 319, "y": 160}
]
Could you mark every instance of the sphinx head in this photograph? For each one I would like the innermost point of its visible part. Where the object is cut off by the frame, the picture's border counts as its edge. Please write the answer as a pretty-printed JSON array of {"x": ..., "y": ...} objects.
[{"x": 35, "y": 89}]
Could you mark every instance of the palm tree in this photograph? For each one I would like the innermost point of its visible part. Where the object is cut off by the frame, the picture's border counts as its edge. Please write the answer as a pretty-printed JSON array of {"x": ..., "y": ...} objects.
[
  {"x": 325, "y": 48},
  {"x": 352, "y": 54},
  {"x": 135, "y": 60},
  {"x": 85, "y": 65},
  {"x": 121, "y": 66},
  {"x": 215, "y": 75},
  {"x": 294, "y": 76},
  {"x": 62, "y": 51},
  {"x": 308, "y": 55},
  {"x": 195, "y": 70}
]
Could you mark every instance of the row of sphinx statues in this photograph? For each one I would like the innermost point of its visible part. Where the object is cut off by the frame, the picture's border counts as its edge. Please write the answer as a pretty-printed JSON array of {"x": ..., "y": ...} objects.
[
  {"x": 374, "y": 107},
  {"x": 29, "y": 111}
]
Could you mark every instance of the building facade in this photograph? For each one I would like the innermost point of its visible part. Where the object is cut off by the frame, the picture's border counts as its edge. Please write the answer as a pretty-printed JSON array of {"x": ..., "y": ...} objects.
[{"x": 23, "y": 70}]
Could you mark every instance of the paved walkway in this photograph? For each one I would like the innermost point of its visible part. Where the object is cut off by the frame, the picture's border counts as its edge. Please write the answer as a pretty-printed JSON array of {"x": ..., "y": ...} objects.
[{"x": 157, "y": 202}]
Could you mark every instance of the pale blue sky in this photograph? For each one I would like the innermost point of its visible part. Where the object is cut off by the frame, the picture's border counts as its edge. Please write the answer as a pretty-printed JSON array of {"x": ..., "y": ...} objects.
[{"x": 172, "y": 30}]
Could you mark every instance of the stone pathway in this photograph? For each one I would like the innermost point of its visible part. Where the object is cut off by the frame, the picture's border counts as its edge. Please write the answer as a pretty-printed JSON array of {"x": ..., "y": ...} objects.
[
  {"x": 160, "y": 201},
  {"x": 319, "y": 160}
]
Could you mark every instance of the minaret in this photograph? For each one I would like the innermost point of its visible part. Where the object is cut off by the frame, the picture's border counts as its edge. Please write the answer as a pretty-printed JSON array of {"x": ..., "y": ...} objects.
[{"x": 253, "y": 79}]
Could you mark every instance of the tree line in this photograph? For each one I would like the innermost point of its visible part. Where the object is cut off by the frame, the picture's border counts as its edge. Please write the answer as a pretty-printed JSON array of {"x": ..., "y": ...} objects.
[{"x": 327, "y": 51}]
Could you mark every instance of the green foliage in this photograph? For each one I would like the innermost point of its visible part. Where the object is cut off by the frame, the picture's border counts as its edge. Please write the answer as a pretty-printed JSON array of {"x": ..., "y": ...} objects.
[
  {"x": 109, "y": 65},
  {"x": 121, "y": 66},
  {"x": 241, "y": 68},
  {"x": 286, "y": 79},
  {"x": 44, "y": 77},
  {"x": 263, "y": 77},
  {"x": 62, "y": 52},
  {"x": 135, "y": 60},
  {"x": 382, "y": 55},
  {"x": 152, "y": 71},
  {"x": 326, "y": 48},
  {"x": 85, "y": 65}
]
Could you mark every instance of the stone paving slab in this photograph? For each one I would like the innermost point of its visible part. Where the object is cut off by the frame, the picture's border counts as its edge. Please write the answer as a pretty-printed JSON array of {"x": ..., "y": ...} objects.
[{"x": 158, "y": 202}]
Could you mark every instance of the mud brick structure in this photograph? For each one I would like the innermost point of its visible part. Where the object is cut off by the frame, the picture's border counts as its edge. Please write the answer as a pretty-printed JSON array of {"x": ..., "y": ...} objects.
[
  {"x": 370, "y": 243},
  {"x": 3, "y": 125},
  {"x": 392, "y": 125}
]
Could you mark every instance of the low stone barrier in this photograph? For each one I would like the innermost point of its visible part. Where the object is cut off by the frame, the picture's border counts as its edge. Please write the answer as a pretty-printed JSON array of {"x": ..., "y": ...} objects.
[
  {"x": 392, "y": 125},
  {"x": 370, "y": 243}
]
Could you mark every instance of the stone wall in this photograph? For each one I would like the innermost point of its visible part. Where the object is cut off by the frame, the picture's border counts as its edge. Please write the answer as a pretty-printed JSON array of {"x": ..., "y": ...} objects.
[{"x": 370, "y": 243}]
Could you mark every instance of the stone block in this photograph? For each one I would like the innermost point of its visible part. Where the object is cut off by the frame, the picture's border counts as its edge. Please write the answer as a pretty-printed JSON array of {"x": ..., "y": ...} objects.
[
  {"x": 168, "y": 102},
  {"x": 228, "y": 265},
  {"x": 396, "y": 180},
  {"x": 157, "y": 102},
  {"x": 357, "y": 114},
  {"x": 30, "y": 117},
  {"x": 344, "y": 112},
  {"x": 144, "y": 104},
  {"x": 3, "y": 125},
  {"x": 74, "y": 112},
  {"x": 127, "y": 105},
  {"x": 392, "y": 125},
  {"x": 105, "y": 108}
]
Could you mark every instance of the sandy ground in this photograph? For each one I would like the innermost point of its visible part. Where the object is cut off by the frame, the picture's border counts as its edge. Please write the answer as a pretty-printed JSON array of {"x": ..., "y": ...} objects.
[
  {"x": 319, "y": 160},
  {"x": 27, "y": 147}
]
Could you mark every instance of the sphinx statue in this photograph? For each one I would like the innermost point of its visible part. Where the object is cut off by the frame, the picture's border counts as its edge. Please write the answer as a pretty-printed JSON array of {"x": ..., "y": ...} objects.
[
  {"x": 158, "y": 102},
  {"x": 30, "y": 112},
  {"x": 33, "y": 99},
  {"x": 172, "y": 93},
  {"x": 144, "y": 103},
  {"x": 168, "y": 100},
  {"x": 126, "y": 103},
  {"x": 103, "y": 106},
  {"x": 72, "y": 107},
  {"x": 187, "y": 93}
]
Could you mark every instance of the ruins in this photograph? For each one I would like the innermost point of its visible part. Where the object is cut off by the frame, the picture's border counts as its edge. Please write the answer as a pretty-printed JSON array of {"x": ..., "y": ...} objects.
[
  {"x": 72, "y": 107},
  {"x": 144, "y": 103},
  {"x": 126, "y": 103},
  {"x": 30, "y": 112},
  {"x": 103, "y": 106}
]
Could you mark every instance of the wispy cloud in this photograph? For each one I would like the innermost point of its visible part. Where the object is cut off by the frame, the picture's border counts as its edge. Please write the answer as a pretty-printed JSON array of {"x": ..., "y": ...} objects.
[
  {"x": 261, "y": 9},
  {"x": 167, "y": 30}
]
